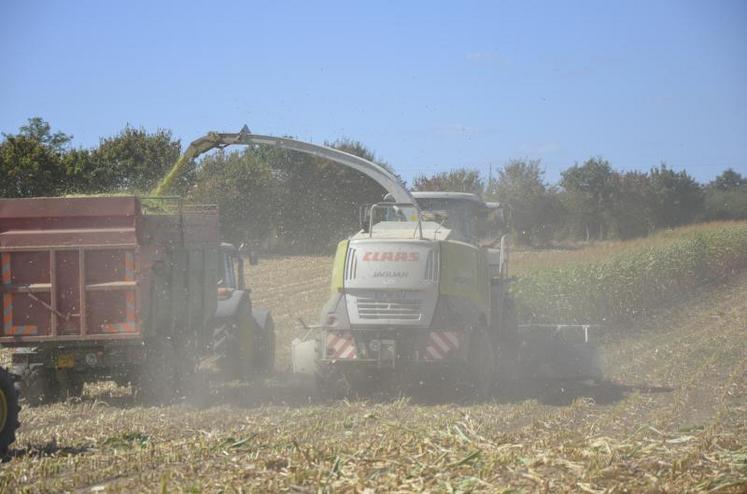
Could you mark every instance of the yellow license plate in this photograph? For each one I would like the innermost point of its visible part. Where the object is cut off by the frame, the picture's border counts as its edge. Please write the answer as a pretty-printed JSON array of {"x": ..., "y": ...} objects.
[{"x": 65, "y": 361}]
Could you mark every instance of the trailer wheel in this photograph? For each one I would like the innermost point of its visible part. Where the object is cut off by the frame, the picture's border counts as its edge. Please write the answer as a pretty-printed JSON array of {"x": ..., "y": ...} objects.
[
  {"x": 482, "y": 362},
  {"x": 39, "y": 387},
  {"x": 9, "y": 409},
  {"x": 74, "y": 387}
]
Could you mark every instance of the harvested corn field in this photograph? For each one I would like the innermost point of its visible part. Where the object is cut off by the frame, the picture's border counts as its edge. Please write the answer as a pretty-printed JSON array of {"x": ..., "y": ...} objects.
[{"x": 672, "y": 418}]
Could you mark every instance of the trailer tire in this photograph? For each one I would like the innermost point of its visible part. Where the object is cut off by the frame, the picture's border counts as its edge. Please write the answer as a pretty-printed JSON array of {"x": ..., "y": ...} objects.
[
  {"x": 9, "y": 409},
  {"x": 74, "y": 387},
  {"x": 39, "y": 386}
]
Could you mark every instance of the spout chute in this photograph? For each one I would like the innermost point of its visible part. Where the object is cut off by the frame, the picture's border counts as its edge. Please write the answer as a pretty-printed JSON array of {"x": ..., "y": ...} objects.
[{"x": 214, "y": 140}]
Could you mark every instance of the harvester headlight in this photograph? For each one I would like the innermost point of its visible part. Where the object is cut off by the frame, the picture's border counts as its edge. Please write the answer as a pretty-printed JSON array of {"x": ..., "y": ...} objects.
[{"x": 374, "y": 345}]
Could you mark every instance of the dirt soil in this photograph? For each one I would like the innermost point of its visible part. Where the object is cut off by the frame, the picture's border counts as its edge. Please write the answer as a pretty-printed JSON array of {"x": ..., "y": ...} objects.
[{"x": 672, "y": 419}]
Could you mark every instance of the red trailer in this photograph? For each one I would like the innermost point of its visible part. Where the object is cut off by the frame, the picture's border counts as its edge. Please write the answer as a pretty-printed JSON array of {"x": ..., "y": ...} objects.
[
  {"x": 135, "y": 290},
  {"x": 84, "y": 269},
  {"x": 106, "y": 288}
]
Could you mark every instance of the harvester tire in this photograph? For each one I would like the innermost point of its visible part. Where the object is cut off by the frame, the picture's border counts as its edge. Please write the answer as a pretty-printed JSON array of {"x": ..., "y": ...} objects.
[
  {"x": 330, "y": 384},
  {"x": 9, "y": 409},
  {"x": 482, "y": 362}
]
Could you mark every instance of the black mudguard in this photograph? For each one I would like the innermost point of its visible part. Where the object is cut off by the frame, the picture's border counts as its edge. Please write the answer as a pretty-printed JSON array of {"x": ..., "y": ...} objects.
[
  {"x": 229, "y": 307},
  {"x": 261, "y": 317}
]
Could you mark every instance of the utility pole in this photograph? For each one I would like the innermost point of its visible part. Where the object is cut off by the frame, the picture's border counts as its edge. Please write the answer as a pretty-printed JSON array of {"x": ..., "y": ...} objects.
[{"x": 490, "y": 179}]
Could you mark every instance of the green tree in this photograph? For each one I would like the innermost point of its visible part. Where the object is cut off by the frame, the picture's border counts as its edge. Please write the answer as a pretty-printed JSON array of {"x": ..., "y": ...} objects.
[
  {"x": 589, "y": 191},
  {"x": 631, "y": 215},
  {"x": 536, "y": 211},
  {"x": 457, "y": 180},
  {"x": 38, "y": 129},
  {"x": 726, "y": 197},
  {"x": 729, "y": 179},
  {"x": 675, "y": 198},
  {"x": 31, "y": 162},
  {"x": 135, "y": 160},
  {"x": 241, "y": 184},
  {"x": 317, "y": 200}
]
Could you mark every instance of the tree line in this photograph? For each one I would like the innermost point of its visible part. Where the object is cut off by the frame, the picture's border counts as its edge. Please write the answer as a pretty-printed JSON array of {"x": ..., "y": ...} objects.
[
  {"x": 593, "y": 201},
  {"x": 292, "y": 202}
]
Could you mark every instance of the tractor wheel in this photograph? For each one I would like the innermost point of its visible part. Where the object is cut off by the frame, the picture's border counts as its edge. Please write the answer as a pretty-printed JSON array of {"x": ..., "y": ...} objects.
[
  {"x": 238, "y": 345},
  {"x": 482, "y": 362},
  {"x": 266, "y": 347},
  {"x": 9, "y": 409},
  {"x": 226, "y": 348},
  {"x": 158, "y": 380}
]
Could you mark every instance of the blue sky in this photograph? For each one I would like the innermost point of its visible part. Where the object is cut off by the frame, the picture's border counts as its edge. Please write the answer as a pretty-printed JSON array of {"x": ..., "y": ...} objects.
[{"x": 427, "y": 85}]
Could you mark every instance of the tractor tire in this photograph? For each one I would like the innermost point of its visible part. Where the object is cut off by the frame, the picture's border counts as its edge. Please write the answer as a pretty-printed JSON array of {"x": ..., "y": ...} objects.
[
  {"x": 266, "y": 349},
  {"x": 9, "y": 409},
  {"x": 482, "y": 363},
  {"x": 236, "y": 343},
  {"x": 246, "y": 348},
  {"x": 159, "y": 378},
  {"x": 226, "y": 349}
]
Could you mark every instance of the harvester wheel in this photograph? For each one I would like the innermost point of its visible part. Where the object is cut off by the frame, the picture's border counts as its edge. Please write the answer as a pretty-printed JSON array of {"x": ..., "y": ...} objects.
[
  {"x": 330, "y": 384},
  {"x": 9, "y": 409},
  {"x": 482, "y": 362}
]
